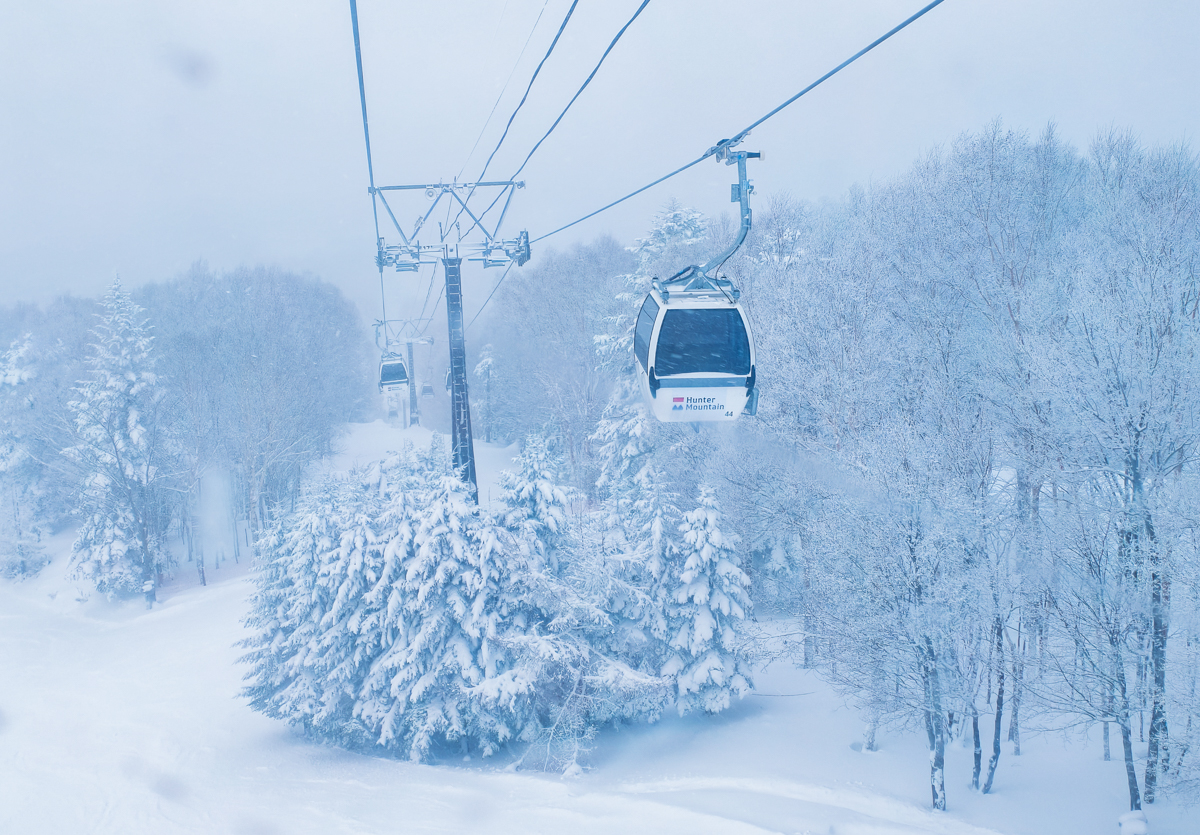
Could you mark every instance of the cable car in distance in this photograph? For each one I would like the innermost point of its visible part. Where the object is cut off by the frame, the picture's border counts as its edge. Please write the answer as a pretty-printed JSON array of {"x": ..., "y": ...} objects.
[
  {"x": 695, "y": 351},
  {"x": 393, "y": 373},
  {"x": 692, "y": 338}
]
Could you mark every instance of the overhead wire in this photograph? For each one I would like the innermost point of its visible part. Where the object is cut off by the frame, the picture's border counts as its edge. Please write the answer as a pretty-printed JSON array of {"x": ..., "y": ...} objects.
[
  {"x": 549, "y": 131},
  {"x": 582, "y": 87},
  {"x": 429, "y": 289},
  {"x": 742, "y": 133},
  {"x": 726, "y": 143},
  {"x": 561, "y": 28},
  {"x": 489, "y": 298},
  {"x": 710, "y": 152},
  {"x": 504, "y": 89},
  {"x": 529, "y": 87},
  {"x": 362, "y": 94},
  {"x": 437, "y": 301},
  {"x": 425, "y": 305},
  {"x": 362, "y": 97},
  {"x": 578, "y": 92},
  {"x": 620, "y": 200}
]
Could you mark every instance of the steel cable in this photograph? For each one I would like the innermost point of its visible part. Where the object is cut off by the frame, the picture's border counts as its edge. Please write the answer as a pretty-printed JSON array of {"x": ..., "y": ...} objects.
[{"x": 738, "y": 136}]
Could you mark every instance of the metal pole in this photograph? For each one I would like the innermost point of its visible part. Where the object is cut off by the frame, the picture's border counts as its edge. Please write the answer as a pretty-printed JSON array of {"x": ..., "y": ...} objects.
[
  {"x": 460, "y": 406},
  {"x": 414, "y": 416}
]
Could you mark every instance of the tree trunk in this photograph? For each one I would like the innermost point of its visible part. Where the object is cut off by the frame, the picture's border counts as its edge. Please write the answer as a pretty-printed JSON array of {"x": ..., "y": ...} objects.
[
  {"x": 935, "y": 725},
  {"x": 809, "y": 641},
  {"x": 148, "y": 568},
  {"x": 978, "y": 748},
  {"x": 1108, "y": 709},
  {"x": 1135, "y": 799},
  {"x": 1014, "y": 719},
  {"x": 1156, "y": 753},
  {"x": 994, "y": 760}
]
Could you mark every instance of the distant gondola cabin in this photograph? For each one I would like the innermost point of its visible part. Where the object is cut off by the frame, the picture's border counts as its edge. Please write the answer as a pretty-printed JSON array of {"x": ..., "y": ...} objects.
[{"x": 393, "y": 374}]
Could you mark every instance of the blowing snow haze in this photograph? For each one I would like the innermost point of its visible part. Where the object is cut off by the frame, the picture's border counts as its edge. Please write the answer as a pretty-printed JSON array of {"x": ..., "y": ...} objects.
[
  {"x": 942, "y": 576},
  {"x": 138, "y": 137}
]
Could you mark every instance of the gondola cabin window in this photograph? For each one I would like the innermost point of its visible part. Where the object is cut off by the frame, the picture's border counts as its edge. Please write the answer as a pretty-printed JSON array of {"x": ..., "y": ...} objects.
[
  {"x": 712, "y": 341},
  {"x": 644, "y": 330}
]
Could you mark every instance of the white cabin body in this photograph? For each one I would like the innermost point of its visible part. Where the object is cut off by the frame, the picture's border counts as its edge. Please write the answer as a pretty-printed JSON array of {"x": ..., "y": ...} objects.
[
  {"x": 393, "y": 373},
  {"x": 695, "y": 355}
]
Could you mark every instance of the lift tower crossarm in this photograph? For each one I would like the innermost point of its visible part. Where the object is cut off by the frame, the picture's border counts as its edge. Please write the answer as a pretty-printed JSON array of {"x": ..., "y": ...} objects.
[
  {"x": 409, "y": 254},
  {"x": 447, "y": 186}
]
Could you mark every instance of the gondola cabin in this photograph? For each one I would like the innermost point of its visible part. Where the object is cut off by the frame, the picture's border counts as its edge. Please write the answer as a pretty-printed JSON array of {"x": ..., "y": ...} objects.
[
  {"x": 695, "y": 353},
  {"x": 393, "y": 373}
]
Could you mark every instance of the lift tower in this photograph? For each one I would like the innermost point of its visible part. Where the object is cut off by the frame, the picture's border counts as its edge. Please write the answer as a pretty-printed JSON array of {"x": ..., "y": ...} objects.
[{"x": 409, "y": 254}]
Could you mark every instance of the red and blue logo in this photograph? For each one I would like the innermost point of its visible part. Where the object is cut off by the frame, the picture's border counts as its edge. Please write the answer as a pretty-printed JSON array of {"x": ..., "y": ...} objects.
[{"x": 676, "y": 404}]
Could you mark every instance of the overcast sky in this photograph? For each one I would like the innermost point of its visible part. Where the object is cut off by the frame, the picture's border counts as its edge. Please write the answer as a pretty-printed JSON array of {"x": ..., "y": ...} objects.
[{"x": 139, "y": 136}]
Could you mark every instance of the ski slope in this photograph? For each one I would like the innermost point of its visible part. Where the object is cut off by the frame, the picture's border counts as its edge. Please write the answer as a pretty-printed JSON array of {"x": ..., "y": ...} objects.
[{"x": 114, "y": 719}]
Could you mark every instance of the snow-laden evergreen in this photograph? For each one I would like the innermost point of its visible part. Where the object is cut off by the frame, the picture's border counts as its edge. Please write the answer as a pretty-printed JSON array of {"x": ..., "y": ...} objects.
[
  {"x": 534, "y": 500},
  {"x": 294, "y": 611},
  {"x": 21, "y": 554},
  {"x": 389, "y": 614},
  {"x": 711, "y": 601},
  {"x": 636, "y": 527},
  {"x": 442, "y": 668},
  {"x": 675, "y": 227},
  {"x": 125, "y": 460},
  {"x": 394, "y": 612}
]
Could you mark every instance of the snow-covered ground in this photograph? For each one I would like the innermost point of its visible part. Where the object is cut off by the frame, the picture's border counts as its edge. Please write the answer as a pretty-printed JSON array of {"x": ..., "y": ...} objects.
[{"x": 114, "y": 719}]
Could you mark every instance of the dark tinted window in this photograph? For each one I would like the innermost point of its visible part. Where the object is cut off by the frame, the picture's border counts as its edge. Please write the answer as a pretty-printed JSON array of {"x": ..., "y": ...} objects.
[
  {"x": 643, "y": 330},
  {"x": 709, "y": 340}
]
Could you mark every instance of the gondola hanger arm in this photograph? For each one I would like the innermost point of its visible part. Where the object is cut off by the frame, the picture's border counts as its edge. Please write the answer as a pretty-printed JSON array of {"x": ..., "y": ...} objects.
[{"x": 740, "y": 194}]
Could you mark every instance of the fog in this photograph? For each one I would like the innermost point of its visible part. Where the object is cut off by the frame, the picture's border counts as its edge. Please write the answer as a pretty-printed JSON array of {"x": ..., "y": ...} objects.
[
  {"x": 961, "y": 511},
  {"x": 138, "y": 137}
]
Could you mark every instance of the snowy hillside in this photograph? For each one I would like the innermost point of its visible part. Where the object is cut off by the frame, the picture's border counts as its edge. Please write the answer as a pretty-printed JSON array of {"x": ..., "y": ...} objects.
[{"x": 114, "y": 719}]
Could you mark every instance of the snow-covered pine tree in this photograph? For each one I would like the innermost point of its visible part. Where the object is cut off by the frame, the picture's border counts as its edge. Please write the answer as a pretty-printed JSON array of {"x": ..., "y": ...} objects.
[
  {"x": 288, "y": 610},
  {"x": 331, "y": 584},
  {"x": 711, "y": 600},
  {"x": 625, "y": 437},
  {"x": 123, "y": 452},
  {"x": 350, "y": 639},
  {"x": 676, "y": 230},
  {"x": 441, "y": 679},
  {"x": 656, "y": 559},
  {"x": 21, "y": 554},
  {"x": 636, "y": 528},
  {"x": 533, "y": 502},
  {"x": 483, "y": 371}
]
